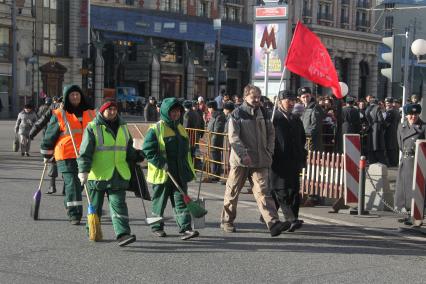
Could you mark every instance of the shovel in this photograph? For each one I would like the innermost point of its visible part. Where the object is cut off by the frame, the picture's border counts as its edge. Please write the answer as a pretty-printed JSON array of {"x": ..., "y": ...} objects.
[
  {"x": 148, "y": 220},
  {"x": 35, "y": 206},
  {"x": 200, "y": 223}
]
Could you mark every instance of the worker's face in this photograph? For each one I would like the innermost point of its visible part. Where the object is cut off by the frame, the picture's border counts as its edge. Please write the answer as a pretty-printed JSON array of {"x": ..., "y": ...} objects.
[
  {"x": 110, "y": 113},
  {"x": 305, "y": 98},
  {"x": 174, "y": 114},
  {"x": 27, "y": 110},
  {"x": 75, "y": 98},
  {"x": 287, "y": 105},
  {"x": 412, "y": 118},
  {"x": 253, "y": 99}
]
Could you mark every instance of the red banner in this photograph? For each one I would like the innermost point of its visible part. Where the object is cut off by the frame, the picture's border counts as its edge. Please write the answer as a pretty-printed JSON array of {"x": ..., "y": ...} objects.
[{"x": 308, "y": 57}]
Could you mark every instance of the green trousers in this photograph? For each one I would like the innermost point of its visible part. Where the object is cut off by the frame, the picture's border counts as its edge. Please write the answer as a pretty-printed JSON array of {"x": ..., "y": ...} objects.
[
  {"x": 72, "y": 200},
  {"x": 162, "y": 193},
  {"x": 117, "y": 208}
]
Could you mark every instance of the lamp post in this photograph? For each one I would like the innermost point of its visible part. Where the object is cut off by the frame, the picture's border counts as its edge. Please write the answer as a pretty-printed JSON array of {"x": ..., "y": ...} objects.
[
  {"x": 217, "y": 26},
  {"x": 418, "y": 47}
]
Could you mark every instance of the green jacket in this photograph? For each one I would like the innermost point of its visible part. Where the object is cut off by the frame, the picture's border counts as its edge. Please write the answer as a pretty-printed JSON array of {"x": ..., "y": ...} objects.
[
  {"x": 87, "y": 149},
  {"x": 53, "y": 131},
  {"x": 177, "y": 147}
]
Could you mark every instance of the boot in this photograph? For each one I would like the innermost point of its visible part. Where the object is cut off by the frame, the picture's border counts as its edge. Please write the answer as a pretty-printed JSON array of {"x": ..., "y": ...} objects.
[{"x": 52, "y": 187}]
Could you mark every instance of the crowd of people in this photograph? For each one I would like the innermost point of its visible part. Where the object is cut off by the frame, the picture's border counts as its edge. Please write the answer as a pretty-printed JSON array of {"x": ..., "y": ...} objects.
[{"x": 269, "y": 144}]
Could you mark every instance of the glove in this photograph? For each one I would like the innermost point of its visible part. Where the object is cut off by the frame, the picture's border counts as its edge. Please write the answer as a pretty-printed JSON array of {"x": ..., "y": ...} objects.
[
  {"x": 83, "y": 177},
  {"x": 48, "y": 159}
]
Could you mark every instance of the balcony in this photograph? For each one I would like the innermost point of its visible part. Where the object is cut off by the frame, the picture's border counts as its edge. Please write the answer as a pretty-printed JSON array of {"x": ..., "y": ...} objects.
[{"x": 325, "y": 17}]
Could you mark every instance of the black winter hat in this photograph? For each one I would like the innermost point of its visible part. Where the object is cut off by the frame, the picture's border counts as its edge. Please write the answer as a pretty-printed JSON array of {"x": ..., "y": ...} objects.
[
  {"x": 286, "y": 94},
  {"x": 212, "y": 104},
  {"x": 229, "y": 106},
  {"x": 304, "y": 90}
]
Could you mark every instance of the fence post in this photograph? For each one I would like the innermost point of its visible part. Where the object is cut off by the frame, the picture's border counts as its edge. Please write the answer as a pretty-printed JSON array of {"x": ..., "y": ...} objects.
[
  {"x": 419, "y": 183},
  {"x": 361, "y": 192},
  {"x": 352, "y": 154}
]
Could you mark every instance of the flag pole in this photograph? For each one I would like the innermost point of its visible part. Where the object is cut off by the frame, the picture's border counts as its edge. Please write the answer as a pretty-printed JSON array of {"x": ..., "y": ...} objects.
[{"x": 276, "y": 97}]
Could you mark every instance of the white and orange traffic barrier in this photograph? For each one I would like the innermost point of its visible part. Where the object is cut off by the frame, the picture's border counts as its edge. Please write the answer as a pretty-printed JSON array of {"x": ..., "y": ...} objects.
[
  {"x": 352, "y": 155},
  {"x": 419, "y": 183}
]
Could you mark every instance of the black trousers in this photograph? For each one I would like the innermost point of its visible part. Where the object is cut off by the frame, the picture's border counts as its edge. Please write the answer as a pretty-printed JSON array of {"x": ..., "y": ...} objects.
[{"x": 287, "y": 194}]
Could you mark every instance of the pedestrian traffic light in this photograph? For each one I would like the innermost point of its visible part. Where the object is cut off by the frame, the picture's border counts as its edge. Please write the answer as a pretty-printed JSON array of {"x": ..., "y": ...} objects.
[{"x": 393, "y": 58}]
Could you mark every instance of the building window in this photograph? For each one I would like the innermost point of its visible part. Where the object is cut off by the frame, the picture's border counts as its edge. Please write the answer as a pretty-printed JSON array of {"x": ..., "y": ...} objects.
[
  {"x": 325, "y": 16},
  {"x": 388, "y": 23},
  {"x": 203, "y": 9},
  {"x": 344, "y": 16},
  {"x": 232, "y": 13},
  {"x": 52, "y": 27},
  {"x": 130, "y": 2},
  {"x": 171, "y": 52},
  {"x": 132, "y": 51},
  {"x": 176, "y": 6},
  {"x": 4, "y": 44}
]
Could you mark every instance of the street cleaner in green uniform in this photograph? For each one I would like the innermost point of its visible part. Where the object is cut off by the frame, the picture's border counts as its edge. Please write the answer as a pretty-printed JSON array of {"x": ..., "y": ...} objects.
[
  {"x": 103, "y": 164},
  {"x": 166, "y": 148}
]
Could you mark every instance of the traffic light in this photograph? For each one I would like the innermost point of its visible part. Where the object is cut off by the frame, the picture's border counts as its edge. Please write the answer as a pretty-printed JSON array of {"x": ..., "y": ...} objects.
[{"x": 393, "y": 57}]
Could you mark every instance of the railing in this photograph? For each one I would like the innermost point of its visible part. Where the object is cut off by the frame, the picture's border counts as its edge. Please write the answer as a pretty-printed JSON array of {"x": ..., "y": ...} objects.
[{"x": 323, "y": 175}]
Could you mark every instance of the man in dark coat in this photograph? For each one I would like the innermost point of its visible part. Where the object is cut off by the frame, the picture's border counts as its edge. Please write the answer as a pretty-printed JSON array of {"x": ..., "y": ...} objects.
[
  {"x": 409, "y": 131},
  {"x": 150, "y": 111},
  {"x": 192, "y": 120},
  {"x": 216, "y": 125},
  {"x": 351, "y": 119},
  {"x": 376, "y": 133},
  {"x": 392, "y": 120},
  {"x": 288, "y": 159},
  {"x": 312, "y": 119}
]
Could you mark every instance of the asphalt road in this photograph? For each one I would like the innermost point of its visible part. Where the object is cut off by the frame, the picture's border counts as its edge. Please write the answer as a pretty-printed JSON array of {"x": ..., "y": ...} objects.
[{"x": 52, "y": 251}]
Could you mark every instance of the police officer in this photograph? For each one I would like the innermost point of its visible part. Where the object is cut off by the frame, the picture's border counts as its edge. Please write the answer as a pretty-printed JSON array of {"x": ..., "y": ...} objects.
[
  {"x": 288, "y": 159},
  {"x": 376, "y": 135},
  {"x": 409, "y": 131},
  {"x": 392, "y": 119},
  {"x": 312, "y": 119},
  {"x": 351, "y": 118}
]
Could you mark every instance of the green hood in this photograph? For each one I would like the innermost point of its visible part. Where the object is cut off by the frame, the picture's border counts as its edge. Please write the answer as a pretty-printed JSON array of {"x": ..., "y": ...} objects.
[
  {"x": 166, "y": 106},
  {"x": 65, "y": 94}
]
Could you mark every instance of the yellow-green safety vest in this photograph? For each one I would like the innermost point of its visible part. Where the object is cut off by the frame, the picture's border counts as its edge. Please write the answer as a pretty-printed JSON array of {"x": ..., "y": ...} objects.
[
  {"x": 110, "y": 153},
  {"x": 157, "y": 175}
]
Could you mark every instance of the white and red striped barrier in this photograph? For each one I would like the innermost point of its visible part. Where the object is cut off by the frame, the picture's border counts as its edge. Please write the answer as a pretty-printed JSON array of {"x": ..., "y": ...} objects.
[
  {"x": 419, "y": 183},
  {"x": 352, "y": 155}
]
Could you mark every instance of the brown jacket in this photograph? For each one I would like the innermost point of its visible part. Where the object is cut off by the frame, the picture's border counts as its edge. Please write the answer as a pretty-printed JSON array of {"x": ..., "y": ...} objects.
[{"x": 252, "y": 134}]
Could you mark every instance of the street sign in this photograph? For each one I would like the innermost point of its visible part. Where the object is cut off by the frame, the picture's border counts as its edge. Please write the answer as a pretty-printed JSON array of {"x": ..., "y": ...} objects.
[
  {"x": 268, "y": 38},
  {"x": 270, "y": 12}
]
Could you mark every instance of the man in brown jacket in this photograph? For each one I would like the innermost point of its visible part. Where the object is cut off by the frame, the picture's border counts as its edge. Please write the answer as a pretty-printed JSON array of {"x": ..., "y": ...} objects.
[{"x": 252, "y": 137}]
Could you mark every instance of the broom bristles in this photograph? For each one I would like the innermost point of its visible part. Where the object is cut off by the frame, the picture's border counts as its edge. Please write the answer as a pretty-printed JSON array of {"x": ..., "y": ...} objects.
[
  {"x": 94, "y": 225},
  {"x": 195, "y": 209}
]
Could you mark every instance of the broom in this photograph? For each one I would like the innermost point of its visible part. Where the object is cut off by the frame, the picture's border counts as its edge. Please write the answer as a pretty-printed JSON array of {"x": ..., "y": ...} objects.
[
  {"x": 195, "y": 209},
  {"x": 35, "y": 206},
  {"x": 93, "y": 222}
]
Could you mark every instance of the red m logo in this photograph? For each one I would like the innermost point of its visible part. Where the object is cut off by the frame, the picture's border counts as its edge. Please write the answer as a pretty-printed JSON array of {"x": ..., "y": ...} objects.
[{"x": 268, "y": 38}]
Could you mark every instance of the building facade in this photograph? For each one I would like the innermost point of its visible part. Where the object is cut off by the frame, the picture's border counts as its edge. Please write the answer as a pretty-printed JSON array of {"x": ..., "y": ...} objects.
[
  {"x": 24, "y": 31},
  {"x": 166, "y": 48},
  {"x": 345, "y": 28}
]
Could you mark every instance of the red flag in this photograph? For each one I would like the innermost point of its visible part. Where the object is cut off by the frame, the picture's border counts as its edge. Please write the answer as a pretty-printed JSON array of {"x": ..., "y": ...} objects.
[{"x": 309, "y": 58}]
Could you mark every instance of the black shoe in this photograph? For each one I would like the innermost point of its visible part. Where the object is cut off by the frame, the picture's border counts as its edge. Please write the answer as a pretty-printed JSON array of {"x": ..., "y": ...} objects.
[
  {"x": 75, "y": 222},
  {"x": 27, "y": 154},
  {"x": 124, "y": 240},
  {"x": 189, "y": 235},
  {"x": 51, "y": 190},
  {"x": 22, "y": 154},
  {"x": 295, "y": 225},
  {"x": 159, "y": 233},
  {"x": 261, "y": 220},
  {"x": 279, "y": 227}
]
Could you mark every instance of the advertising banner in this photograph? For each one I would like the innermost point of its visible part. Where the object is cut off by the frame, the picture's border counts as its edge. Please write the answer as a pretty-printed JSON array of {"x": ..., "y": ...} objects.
[{"x": 269, "y": 31}]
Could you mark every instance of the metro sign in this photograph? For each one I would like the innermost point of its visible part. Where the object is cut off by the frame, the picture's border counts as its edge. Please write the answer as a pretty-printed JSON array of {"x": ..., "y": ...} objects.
[
  {"x": 268, "y": 39},
  {"x": 271, "y": 12}
]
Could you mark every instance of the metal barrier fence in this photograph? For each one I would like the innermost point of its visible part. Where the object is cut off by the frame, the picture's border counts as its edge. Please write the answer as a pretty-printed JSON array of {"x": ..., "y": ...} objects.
[
  {"x": 323, "y": 175},
  {"x": 201, "y": 142}
]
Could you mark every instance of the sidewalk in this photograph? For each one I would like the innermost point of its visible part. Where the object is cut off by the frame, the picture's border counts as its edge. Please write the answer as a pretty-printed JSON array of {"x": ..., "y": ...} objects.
[{"x": 382, "y": 221}]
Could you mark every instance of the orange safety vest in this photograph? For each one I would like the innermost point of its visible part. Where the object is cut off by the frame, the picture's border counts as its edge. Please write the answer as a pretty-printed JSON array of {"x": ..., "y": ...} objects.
[{"x": 64, "y": 148}]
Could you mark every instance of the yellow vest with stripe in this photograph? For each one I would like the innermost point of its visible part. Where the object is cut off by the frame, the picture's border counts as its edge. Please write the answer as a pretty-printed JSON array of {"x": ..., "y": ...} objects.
[
  {"x": 110, "y": 153},
  {"x": 157, "y": 175}
]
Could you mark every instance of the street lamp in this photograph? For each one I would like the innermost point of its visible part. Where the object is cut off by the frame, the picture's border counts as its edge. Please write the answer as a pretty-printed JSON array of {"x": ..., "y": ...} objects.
[{"x": 418, "y": 47}]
